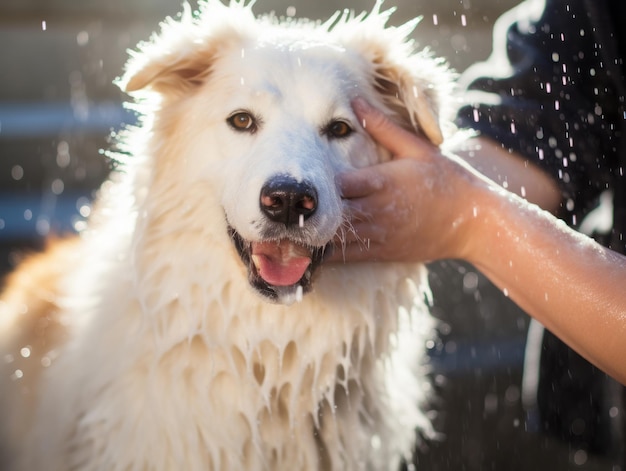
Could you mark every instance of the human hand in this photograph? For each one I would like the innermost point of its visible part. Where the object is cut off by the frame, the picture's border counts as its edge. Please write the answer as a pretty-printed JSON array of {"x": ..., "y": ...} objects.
[{"x": 413, "y": 208}]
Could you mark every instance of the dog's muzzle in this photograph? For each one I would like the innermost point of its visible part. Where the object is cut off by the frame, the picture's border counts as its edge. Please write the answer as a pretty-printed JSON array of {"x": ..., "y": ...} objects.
[{"x": 281, "y": 265}]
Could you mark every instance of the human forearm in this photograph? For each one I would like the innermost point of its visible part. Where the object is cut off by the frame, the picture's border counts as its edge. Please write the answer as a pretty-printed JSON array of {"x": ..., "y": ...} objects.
[
  {"x": 511, "y": 171},
  {"x": 424, "y": 205},
  {"x": 569, "y": 283}
]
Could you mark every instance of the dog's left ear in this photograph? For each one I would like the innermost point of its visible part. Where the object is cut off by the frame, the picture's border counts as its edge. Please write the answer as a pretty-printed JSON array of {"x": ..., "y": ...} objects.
[{"x": 412, "y": 84}]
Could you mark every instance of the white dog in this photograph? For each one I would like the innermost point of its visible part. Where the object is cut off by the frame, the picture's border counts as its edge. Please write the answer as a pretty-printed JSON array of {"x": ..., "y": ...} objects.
[{"x": 193, "y": 325}]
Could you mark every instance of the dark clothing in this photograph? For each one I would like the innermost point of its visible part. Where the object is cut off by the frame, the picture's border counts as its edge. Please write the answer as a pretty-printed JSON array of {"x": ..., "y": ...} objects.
[
  {"x": 559, "y": 94},
  {"x": 554, "y": 91}
]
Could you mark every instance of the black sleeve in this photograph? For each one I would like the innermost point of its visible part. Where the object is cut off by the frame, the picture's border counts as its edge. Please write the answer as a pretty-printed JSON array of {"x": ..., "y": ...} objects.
[{"x": 546, "y": 94}]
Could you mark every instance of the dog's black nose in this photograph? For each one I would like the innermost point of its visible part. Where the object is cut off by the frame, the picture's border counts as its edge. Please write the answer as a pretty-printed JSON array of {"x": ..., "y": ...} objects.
[{"x": 286, "y": 200}]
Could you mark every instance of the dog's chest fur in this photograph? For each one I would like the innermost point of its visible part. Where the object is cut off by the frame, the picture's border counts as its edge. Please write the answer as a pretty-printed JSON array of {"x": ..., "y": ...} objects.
[
  {"x": 248, "y": 385},
  {"x": 165, "y": 358}
]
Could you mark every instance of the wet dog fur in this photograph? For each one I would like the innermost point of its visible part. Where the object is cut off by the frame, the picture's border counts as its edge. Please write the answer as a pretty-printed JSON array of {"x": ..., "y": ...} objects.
[{"x": 193, "y": 324}]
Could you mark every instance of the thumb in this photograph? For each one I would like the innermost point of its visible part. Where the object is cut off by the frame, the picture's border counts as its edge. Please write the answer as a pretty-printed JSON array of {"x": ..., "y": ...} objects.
[{"x": 362, "y": 182}]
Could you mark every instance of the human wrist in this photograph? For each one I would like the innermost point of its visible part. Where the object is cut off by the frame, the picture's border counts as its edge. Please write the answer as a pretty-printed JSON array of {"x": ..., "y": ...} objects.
[{"x": 479, "y": 227}]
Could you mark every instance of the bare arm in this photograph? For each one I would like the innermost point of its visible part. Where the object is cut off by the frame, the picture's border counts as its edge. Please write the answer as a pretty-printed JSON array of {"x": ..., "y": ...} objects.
[
  {"x": 442, "y": 208},
  {"x": 571, "y": 284},
  {"x": 511, "y": 171}
]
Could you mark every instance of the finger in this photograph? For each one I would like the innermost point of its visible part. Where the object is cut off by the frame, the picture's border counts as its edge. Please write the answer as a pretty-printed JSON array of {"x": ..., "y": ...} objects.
[
  {"x": 360, "y": 182},
  {"x": 399, "y": 141}
]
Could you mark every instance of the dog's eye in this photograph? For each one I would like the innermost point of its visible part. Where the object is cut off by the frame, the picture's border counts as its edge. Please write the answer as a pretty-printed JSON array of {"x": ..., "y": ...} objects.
[
  {"x": 338, "y": 129},
  {"x": 242, "y": 121}
]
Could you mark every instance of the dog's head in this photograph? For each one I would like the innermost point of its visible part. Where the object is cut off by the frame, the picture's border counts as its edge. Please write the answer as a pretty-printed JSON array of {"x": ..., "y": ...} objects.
[{"x": 261, "y": 112}]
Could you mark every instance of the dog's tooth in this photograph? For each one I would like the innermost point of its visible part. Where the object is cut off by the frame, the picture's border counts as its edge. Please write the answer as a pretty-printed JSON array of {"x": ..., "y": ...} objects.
[{"x": 256, "y": 260}]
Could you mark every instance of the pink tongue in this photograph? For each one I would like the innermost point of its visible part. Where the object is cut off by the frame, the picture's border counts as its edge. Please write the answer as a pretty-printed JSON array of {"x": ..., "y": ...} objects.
[{"x": 280, "y": 263}]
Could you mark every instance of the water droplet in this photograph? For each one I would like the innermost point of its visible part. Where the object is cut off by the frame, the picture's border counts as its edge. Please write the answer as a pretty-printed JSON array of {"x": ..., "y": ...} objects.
[
  {"x": 301, "y": 220},
  {"x": 79, "y": 226},
  {"x": 25, "y": 352},
  {"x": 291, "y": 11},
  {"x": 28, "y": 215},
  {"x": 435, "y": 20},
  {"x": 84, "y": 210},
  {"x": 451, "y": 346},
  {"x": 17, "y": 172},
  {"x": 82, "y": 38},
  {"x": 463, "y": 20},
  {"x": 512, "y": 394},
  {"x": 491, "y": 403},
  {"x": 63, "y": 154},
  {"x": 42, "y": 226},
  {"x": 44, "y": 25},
  {"x": 299, "y": 293},
  {"x": 470, "y": 281},
  {"x": 18, "y": 374},
  {"x": 57, "y": 186},
  {"x": 580, "y": 457}
]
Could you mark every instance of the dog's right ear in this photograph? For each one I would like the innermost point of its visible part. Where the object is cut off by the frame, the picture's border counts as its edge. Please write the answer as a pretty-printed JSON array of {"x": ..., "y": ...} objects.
[
  {"x": 180, "y": 56},
  {"x": 413, "y": 85}
]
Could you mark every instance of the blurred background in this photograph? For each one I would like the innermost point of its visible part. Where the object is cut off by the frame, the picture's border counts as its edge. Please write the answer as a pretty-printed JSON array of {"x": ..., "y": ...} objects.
[{"x": 58, "y": 109}]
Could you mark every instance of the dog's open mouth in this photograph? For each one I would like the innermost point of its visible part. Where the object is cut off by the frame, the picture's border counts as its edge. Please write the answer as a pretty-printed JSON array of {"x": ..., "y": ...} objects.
[{"x": 279, "y": 269}]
